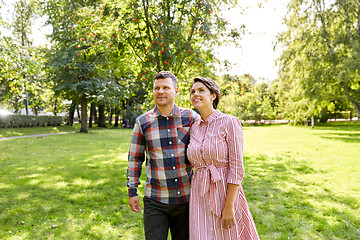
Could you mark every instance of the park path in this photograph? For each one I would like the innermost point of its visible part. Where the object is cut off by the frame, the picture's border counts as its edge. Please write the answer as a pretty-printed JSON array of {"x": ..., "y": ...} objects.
[{"x": 36, "y": 135}]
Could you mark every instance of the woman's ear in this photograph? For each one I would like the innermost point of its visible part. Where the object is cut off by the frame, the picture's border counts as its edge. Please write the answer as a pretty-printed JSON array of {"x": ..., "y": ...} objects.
[{"x": 214, "y": 96}]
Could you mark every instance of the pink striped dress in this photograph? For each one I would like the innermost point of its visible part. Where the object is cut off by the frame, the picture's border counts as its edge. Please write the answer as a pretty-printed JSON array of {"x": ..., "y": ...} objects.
[{"x": 216, "y": 154}]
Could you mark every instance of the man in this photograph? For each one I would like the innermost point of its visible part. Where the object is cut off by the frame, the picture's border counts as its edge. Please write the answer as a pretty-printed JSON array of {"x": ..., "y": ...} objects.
[{"x": 162, "y": 135}]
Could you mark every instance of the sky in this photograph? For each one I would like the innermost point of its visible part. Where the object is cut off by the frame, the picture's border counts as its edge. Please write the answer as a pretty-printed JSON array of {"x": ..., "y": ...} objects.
[{"x": 255, "y": 55}]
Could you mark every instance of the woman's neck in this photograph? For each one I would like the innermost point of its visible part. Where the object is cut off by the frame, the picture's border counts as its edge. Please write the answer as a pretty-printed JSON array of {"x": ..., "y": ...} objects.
[{"x": 205, "y": 113}]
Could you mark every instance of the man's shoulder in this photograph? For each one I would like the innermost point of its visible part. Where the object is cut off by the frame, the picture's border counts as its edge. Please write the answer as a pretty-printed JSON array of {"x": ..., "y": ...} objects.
[
  {"x": 146, "y": 116},
  {"x": 189, "y": 112}
]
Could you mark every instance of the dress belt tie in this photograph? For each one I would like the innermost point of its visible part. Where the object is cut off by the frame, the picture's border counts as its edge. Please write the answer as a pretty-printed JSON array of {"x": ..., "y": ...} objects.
[{"x": 209, "y": 187}]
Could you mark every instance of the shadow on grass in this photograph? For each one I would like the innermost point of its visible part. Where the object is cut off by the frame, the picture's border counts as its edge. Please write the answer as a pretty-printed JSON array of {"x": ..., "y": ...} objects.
[
  {"x": 339, "y": 126},
  {"x": 288, "y": 202},
  {"x": 345, "y": 132},
  {"x": 345, "y": 137},
  {"x": 68, "y": 194}
]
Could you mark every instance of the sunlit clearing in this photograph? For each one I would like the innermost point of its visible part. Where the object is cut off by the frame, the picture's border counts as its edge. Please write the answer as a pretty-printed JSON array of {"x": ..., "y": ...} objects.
[{"x": 4, "y": 112}]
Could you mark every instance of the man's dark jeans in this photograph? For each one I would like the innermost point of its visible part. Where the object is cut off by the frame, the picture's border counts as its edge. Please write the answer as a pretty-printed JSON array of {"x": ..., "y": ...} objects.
[{"x": 159, "y": 217}]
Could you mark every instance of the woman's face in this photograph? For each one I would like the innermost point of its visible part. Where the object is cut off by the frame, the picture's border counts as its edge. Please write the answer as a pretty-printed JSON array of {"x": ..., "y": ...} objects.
[{"x": 201, "y": 97}]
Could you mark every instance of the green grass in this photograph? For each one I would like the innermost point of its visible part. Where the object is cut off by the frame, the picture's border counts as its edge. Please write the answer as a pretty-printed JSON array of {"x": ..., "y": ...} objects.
[
  {"x": 300, "y": 183},
  {"x": 13, "y": 132}
]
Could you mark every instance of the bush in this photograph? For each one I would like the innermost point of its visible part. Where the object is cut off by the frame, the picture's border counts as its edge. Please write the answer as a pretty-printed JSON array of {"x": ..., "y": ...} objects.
[{"x": 12, "y": 121}]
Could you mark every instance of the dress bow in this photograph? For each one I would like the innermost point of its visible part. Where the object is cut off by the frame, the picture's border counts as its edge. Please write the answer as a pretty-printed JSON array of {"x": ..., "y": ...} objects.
[{"x": 209, "y": 188}]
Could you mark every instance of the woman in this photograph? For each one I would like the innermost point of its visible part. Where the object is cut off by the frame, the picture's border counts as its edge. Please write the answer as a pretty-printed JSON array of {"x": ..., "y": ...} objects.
[{"x": 218, "y": 208}]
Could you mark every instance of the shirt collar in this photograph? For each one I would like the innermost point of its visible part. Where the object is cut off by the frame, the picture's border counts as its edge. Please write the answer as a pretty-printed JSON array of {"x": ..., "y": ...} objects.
[
  {"x": 175, "y": 111},
  {"x": 211, "y": 117}
]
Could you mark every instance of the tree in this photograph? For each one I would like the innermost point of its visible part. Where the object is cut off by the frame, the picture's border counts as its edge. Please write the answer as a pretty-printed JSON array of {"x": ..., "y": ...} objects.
[
  {"x": 319, "y": 68},
  {"x": 175, "y": 35},
  {"x": 21, "y": 64},
  {"x": 82, "y": 63}
]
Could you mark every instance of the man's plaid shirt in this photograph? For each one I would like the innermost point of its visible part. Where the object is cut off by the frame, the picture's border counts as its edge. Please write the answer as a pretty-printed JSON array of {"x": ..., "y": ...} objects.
[{"x": 163, "y": 141}]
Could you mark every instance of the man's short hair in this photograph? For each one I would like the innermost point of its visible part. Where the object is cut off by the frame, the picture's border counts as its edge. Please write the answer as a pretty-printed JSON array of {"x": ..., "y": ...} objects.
[{"x": 166, "y": 74}]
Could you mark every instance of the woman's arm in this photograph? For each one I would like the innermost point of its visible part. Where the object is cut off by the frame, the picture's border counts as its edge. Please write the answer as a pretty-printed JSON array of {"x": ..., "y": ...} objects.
[{"x": 228, "y": 215}]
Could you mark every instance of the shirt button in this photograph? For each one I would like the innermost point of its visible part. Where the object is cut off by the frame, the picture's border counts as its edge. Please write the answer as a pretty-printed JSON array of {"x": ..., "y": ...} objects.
[
  {"x": 172, "y": 154},
  {"x": 168, "y": 130},
  {"x": 170, "y": 142},
  {"x": 175, "y": 180},
  {"x": 178, "y": 192},
  {"x": 167, "y": 118},
  {"x": 174, "y": 167}
]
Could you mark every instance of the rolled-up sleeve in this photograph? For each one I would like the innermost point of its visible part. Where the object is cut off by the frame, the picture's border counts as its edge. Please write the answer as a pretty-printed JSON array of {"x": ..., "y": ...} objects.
[
  {"x": 136, "y": 157},
  {"x": 235, "y": 147}
]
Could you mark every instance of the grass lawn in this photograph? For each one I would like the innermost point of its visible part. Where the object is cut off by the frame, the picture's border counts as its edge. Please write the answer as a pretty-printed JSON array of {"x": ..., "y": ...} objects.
[
  {"x": 301, "y": 183},
  {"x": 13, "y": 132}
]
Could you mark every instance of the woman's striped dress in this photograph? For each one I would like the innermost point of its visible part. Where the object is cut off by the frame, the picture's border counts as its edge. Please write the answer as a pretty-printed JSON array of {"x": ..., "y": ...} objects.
[{"x": 216, "y": 154}]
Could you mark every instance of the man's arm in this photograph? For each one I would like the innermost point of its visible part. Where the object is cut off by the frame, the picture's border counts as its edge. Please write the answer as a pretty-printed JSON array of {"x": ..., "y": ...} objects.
[{"x": 136, "y": 158}]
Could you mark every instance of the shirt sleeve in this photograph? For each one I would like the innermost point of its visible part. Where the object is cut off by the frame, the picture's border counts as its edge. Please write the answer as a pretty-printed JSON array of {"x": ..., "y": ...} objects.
[
  {"x": 235, "y": 141},
  {"x": 136, "y": 158}
]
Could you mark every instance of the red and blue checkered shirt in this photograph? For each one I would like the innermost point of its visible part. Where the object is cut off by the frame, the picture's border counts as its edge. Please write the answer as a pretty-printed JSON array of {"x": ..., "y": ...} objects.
[{"x": 162, "y": 140}]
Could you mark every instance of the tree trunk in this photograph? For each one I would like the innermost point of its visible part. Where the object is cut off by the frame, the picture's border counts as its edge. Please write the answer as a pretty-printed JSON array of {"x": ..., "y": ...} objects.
[
  {"x": 55, "y": 107},
  {"x": 117, "y": 113},
  {"x": 102, "y": 118},
  {"x": 111, "y": 115},
  {"x": 96, "y": 119},
  {"x": 84, "y": 115},
  {"x": 71, "y": 115},
  {"x": 78, "y": 113},
  {"x": 92, "y": 112}
]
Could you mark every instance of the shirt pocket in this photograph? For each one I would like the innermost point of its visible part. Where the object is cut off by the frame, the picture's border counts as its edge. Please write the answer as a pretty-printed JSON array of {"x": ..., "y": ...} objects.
[{"x": 183, "y": 135}]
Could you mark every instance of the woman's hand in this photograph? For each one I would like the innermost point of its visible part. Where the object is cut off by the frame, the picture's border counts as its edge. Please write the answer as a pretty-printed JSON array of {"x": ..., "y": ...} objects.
[{"x": 228, "y": 217}]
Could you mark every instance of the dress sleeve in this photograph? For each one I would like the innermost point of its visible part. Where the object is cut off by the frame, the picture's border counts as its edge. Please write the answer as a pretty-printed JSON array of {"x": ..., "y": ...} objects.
[
  {"x": 234, "y": 139},
  {"x": 136, "y": 158}
]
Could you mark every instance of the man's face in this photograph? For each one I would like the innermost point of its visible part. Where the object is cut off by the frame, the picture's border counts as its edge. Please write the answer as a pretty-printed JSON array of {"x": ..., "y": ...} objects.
[{"x": 165, "y": 92}]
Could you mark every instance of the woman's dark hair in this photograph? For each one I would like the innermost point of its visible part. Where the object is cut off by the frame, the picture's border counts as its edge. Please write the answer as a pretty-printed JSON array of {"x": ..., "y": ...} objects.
[{"x": 212, "y": 86}]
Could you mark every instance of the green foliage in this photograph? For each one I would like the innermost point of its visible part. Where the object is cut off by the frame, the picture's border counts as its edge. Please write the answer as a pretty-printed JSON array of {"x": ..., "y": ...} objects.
[
  {"x": 319, "y": 70},
  {"x": 20, "y": 72},
  {"x": 176, "y": 36},
  {"x": 243, "y": 97},
  {"x": 11, "y": 121}
]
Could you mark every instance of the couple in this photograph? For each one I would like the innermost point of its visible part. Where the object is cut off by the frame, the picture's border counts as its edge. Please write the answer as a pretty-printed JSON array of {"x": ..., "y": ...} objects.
[{"x": 217, "y": 208}]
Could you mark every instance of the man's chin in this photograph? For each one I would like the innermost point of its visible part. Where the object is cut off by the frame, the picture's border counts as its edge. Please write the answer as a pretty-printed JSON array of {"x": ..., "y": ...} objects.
[{"x": 160, "y": 103}]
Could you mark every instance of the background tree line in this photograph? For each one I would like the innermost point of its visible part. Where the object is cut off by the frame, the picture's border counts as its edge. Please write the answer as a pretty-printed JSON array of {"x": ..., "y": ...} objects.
[{"x": 104, "y": 54}]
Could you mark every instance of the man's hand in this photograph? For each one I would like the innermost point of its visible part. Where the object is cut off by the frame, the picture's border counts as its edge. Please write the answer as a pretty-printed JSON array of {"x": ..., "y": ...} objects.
[{"x": 134, "y": 203}]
